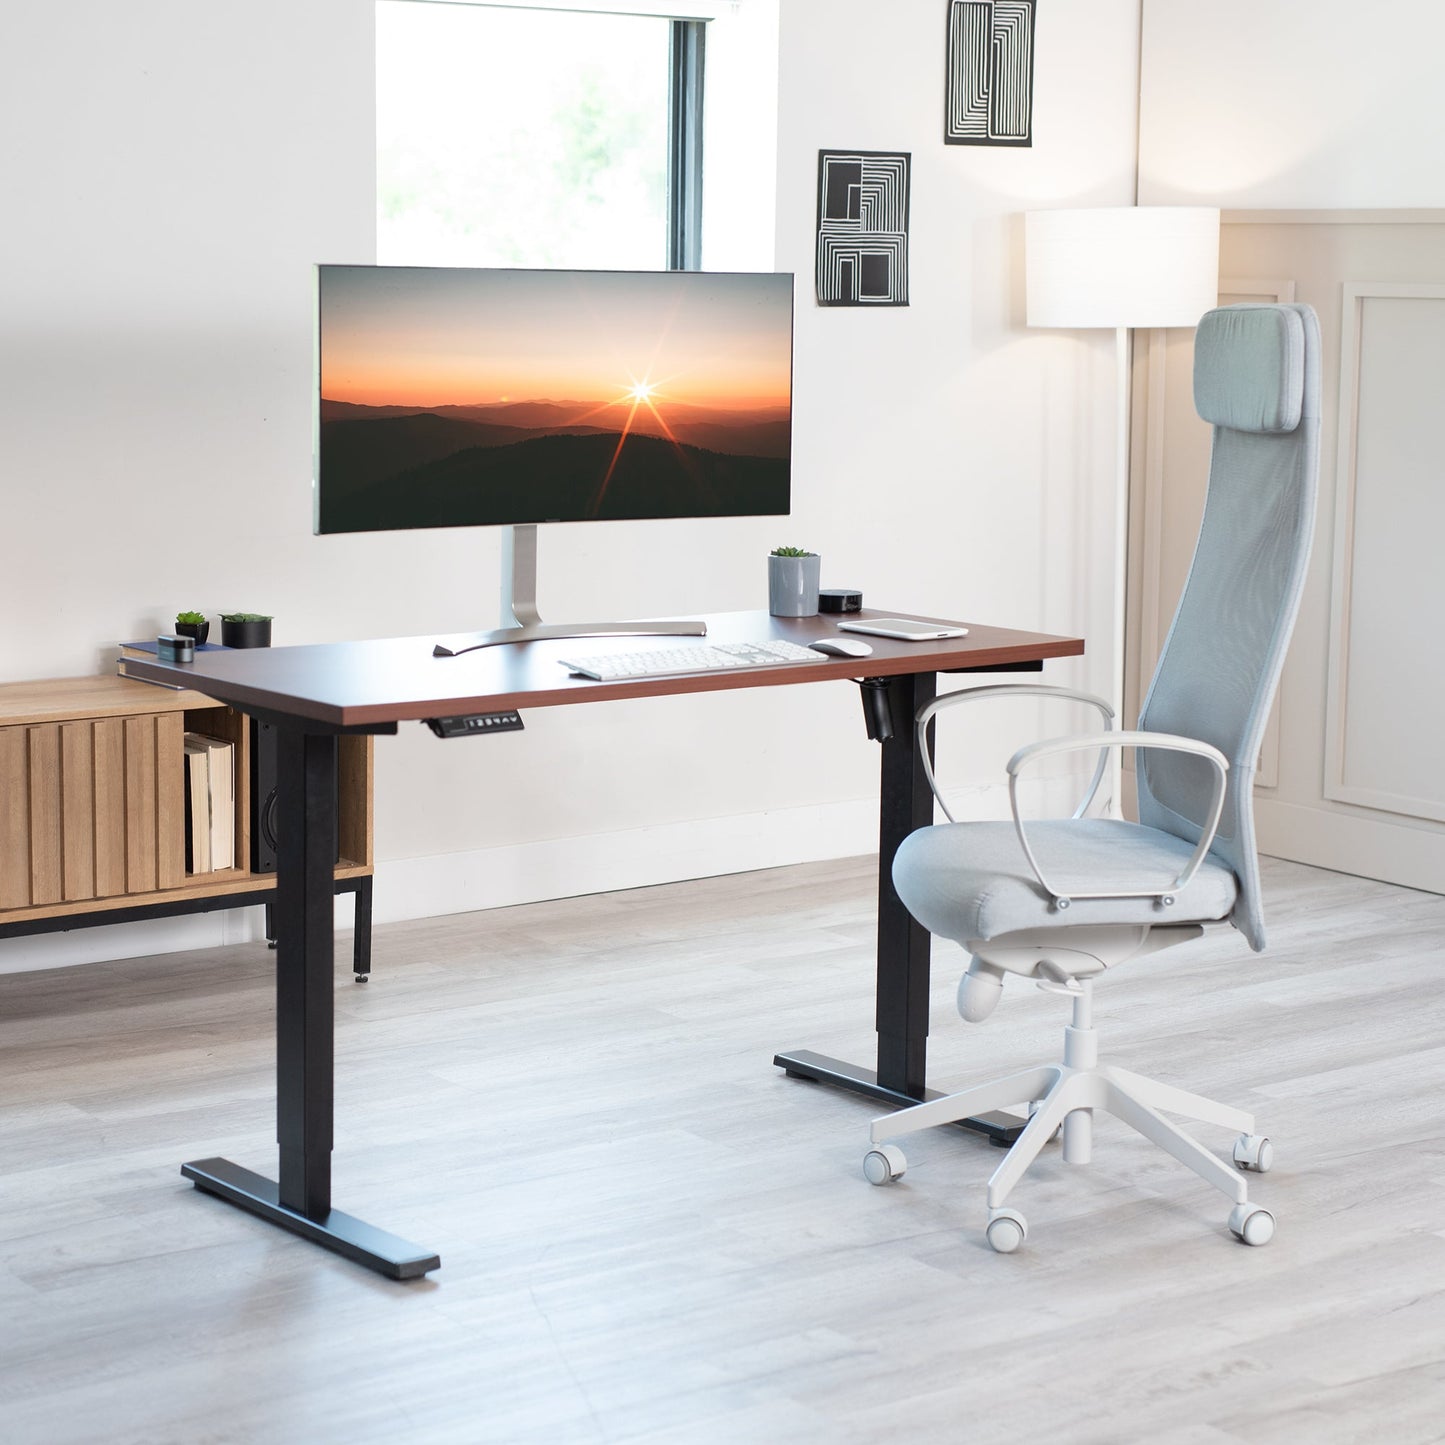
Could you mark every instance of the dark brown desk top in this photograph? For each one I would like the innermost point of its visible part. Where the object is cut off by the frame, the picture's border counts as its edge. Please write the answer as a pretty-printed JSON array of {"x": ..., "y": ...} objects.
[{"x": 350, "y": 684}]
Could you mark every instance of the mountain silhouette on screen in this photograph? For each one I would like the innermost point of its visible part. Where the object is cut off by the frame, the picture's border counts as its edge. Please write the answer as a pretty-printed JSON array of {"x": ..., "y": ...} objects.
[{"x": 386, "y": 467}]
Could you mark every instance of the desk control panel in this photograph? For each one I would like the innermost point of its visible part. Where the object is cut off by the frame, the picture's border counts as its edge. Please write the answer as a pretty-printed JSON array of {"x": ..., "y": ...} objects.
[{"x": 474, "y": 724}]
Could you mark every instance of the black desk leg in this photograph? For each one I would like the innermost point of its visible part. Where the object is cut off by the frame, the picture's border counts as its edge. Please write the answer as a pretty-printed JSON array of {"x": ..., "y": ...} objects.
[
  {"x": 361, "y": 939},
  {"x": 305, "y": 888},
  {"x": 905, "y": 803}
]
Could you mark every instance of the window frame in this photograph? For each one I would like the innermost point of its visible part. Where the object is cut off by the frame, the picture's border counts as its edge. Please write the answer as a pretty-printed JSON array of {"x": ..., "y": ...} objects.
[
  {"x": 683, "y": 168},
  {"x": 684, "y": 145}
]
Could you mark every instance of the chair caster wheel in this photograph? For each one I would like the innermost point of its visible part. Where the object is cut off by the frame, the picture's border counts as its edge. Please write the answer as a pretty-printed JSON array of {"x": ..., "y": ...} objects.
[
  {"x": 1253, "y": 1152},
  {"x": 884, "y": 1164},
  {"x": 1251, "y": 1224},
  {"x": 1007, "y": 1229}
]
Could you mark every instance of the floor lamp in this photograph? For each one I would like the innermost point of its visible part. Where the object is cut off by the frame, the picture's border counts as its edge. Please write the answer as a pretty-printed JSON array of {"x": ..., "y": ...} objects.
[{"x": 1121, "y": 267}]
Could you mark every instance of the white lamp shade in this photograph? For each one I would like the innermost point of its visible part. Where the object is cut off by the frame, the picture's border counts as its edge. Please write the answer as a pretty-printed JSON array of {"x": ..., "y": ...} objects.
[{"x": 1122, "y": 266}]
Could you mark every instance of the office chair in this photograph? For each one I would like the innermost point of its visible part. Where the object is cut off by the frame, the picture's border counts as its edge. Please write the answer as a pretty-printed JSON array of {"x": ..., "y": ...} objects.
[{"x": 1062, "y": 901}]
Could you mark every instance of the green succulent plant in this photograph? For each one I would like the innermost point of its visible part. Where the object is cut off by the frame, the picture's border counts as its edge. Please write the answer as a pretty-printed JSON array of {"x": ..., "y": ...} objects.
[
  {"x": 191, "y": 619},
  {"x": 246, "y": 617},
  {"x": 791, "y": 552}
]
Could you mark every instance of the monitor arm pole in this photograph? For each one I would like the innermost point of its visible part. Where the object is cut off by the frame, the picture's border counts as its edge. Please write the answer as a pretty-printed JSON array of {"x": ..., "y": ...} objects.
[
  {"x": 523, "y": 623},
  {"x": 519, "y": 577}
]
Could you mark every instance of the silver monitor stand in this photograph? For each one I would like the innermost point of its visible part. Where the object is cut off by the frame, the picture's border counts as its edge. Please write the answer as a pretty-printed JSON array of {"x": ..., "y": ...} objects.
[{"x": 519, "y": 602}]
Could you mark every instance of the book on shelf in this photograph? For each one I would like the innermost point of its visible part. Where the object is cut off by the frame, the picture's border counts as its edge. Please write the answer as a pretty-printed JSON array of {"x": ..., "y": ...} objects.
[
  {"x": 210, "y": 803},
  {"x": 198, "y": 805},
  {"x": 222, "y": 777}
]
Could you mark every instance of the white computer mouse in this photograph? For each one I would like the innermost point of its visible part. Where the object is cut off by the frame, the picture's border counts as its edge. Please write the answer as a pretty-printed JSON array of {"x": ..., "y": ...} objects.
[{"x": 842, "y": 647}]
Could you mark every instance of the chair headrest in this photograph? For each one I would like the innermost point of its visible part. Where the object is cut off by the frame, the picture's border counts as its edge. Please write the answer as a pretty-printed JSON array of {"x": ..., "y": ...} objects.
[{"x": 1249, "y": 368}]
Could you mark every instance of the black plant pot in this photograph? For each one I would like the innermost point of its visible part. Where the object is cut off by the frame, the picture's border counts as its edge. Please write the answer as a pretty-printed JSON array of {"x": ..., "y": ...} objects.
[
  {"x": 199, "y": 630},
  {"x": 246, "y": 634}
]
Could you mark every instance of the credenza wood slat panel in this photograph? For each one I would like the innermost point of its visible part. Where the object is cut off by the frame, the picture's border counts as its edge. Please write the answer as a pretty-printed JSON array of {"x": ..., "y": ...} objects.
[
  {"x": 140, "y": 804},
  {"x": 125, "y": 810},
  {"x": 43, "y": 745},
  {"x": 170, "y": 801},
  {"x": 77, "y": 811},
  {"x": 14, "y": 819},
  {"x": 108, "y": 745}
]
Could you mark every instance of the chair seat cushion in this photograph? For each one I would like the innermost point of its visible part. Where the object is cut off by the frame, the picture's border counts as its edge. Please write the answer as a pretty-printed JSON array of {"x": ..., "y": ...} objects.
[{"x": 968, "y": 881}]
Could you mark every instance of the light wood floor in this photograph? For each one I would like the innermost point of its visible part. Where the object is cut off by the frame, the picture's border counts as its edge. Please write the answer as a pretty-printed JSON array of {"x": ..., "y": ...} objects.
[{"x": 648, "y": 1234}]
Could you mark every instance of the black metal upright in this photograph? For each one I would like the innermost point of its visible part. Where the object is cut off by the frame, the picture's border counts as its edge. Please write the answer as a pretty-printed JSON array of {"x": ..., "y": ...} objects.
[
  {"x": 299, "y": 1199},
  {"x": 903, "y": 954},
  {"x": 305, "y": 848},
  {"x": 905, "y": 802}
]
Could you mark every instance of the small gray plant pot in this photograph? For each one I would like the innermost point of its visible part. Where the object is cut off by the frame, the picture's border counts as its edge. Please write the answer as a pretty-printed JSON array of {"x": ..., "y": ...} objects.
[{"x": 793, "y": 585}]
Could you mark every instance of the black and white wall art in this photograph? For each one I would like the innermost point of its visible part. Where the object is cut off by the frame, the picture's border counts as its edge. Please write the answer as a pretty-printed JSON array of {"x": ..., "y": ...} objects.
[
  {"x": 862, "y": 228},
  {"x": 990, "y": 89}
]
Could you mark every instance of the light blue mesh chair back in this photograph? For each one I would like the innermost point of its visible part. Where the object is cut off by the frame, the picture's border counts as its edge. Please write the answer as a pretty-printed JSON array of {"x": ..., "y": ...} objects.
[{"x": 1256, "y": 379}]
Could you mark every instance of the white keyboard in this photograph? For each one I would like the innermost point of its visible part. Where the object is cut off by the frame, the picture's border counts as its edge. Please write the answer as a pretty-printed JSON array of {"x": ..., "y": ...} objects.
[{"x": 700, "y": 657}]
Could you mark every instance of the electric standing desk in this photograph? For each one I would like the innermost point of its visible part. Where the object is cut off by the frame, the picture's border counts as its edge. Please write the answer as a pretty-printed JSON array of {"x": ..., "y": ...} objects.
[{"x": 318, "y": 693}]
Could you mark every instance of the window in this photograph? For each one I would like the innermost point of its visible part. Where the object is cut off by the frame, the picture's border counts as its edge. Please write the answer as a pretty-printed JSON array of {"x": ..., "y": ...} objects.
[{"x": 537, "y": 138}]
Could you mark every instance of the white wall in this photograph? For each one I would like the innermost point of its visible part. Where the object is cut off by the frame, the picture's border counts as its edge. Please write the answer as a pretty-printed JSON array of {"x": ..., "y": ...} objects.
[
  {"x": 175, "y": 169},
  {"x": 949, "y": 460},
  {"x": 1297, "y": 104},
  {"x": 170, "y": 172}
]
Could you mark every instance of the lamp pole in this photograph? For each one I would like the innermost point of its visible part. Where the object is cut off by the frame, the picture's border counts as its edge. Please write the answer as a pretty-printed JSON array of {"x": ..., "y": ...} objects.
[{"x": 1121, "y": 267}]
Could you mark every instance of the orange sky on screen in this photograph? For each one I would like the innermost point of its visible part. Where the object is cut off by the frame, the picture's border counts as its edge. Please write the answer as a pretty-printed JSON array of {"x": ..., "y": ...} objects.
[
  {"x": 470, "y": 384},
  {"x": 518, "y": 342}
]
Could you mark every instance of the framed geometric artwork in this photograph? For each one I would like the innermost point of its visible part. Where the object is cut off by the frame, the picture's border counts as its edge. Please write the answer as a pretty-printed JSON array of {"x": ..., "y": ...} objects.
[
  {"x": 990, "y": 85},
  {"x": 862, "y": 255}
]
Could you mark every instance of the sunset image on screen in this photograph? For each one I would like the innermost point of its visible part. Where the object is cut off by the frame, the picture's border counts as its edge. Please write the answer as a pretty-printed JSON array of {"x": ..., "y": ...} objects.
[{"x": 467, "y": 397}]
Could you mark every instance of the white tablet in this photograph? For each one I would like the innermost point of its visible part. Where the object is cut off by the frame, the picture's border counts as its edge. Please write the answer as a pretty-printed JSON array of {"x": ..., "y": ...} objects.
[{"x": 904, "y": 627}]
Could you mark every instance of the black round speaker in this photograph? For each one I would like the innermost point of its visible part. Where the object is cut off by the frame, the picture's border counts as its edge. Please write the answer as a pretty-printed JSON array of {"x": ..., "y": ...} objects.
[{"x": 840, "y": 599}]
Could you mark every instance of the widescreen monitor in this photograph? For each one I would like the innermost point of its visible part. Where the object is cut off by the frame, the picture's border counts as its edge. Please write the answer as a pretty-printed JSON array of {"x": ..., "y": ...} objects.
[{"x": 453, "y": 397}]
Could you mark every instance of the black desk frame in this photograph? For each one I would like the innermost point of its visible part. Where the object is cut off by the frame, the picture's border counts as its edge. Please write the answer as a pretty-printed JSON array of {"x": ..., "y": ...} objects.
[
  {"x": 299, "y": 1200},
  {"x": 905, "y": 803}
]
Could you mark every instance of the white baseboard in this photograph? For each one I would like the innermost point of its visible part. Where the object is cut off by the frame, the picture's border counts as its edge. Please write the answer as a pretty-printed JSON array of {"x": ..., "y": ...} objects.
[
  {"x": 407, "y": 888},
  {"x": 640, "y": 857},
  {"x": 131, "y": 940}
]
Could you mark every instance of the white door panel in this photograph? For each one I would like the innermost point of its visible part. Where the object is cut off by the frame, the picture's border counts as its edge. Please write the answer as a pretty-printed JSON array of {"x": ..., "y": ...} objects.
[{"x": 1350, "y": 771}]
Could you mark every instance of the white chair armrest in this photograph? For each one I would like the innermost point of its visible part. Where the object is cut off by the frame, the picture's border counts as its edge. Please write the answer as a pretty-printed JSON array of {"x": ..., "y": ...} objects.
[
  {"x": 1171, "y": 742},
  {"x": 1008, "y": 689}
]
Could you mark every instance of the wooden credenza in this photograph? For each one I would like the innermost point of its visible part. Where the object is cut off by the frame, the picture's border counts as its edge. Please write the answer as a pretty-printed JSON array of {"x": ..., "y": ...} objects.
[{"x": 92, "y": 822}]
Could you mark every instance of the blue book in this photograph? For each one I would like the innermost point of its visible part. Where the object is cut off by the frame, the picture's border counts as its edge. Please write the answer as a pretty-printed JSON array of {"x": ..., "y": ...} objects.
[{"x": 151, "y": 646}]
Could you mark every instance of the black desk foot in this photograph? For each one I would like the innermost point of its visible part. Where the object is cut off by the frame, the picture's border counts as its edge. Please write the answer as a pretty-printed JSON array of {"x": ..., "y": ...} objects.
[
  {"x": 343, "y": 1234},
  {"x": 1002, "y": 1129}
]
